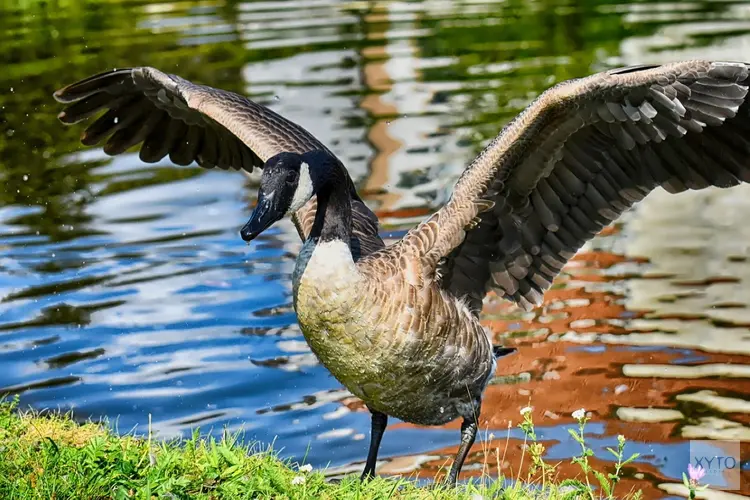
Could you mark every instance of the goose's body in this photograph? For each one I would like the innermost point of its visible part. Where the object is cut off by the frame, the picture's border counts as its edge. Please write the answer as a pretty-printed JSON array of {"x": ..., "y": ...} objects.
[
  {"x": 426, "y": 361},
  {"x": 398, "y": 325}
]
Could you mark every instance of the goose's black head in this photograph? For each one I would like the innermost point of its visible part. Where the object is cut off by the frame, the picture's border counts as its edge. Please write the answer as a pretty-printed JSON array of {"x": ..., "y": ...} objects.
[{"x": 288, "y": 181}]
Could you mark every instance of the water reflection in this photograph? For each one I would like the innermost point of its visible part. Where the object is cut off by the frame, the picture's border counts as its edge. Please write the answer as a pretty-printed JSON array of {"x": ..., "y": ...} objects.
[{"x": 125, "y": 291}]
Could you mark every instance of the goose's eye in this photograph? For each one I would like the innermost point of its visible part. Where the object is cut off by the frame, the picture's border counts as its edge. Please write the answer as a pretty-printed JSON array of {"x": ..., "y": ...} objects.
[{"x": 291, "y": 177}]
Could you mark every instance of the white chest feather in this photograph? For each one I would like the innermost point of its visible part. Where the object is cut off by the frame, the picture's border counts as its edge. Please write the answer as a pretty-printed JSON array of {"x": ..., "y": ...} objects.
[{"x": 325, "y": 265}]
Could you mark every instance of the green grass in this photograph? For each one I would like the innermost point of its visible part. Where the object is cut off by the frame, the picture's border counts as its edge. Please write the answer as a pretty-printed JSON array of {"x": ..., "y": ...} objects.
[{"x": 52, "y": 457}]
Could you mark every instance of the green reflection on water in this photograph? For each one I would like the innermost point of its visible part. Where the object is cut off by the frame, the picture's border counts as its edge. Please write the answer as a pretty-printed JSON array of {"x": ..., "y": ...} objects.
[{"x": 504, "y": 54}]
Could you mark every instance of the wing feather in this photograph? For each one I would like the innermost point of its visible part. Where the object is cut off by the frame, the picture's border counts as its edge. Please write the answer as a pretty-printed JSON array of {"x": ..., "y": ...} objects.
[
  {"x": 171, "y": 116},
  {"x": 577, "y": 157}
]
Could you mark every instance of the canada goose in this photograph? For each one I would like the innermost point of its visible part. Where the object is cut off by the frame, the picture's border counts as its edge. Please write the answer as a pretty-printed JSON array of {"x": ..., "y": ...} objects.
[{"x": 398, "y": 325}]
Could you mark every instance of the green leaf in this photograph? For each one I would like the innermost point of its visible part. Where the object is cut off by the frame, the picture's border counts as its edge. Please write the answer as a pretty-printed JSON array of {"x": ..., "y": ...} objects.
[
  {"x": 578, "y": 489},
  {"x": 575, "y": 435},
  {"x": 230, "y": 471},
  {"x": 632, "y": 457},
  {"x": 574, "y": 483},
  {"x": 685, "y": 480},
  {"x": 228, "y": 455},
  {"x": 121, "y": 494},
  {"x": 574, "y": 494},
  {"x": 603, "y": 482},
  {"x": 53, "y": 445},
  {"x": 393, "y": 490},
  {"x": 616, "y": 454}
]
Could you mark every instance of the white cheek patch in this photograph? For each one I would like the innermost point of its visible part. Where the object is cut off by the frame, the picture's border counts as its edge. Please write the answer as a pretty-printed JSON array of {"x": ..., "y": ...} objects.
[{"x": 304, "y": 189}]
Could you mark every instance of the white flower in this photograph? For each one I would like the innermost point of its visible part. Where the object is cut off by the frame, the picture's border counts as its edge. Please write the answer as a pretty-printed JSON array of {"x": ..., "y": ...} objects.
[
  {"x": 477, "y": 496},
  {"x": 579, "y": 414},
  {"x": 297, "y": 480},
  {"x": 525, "y": 410},
  {"x": 305, "y": 468}
]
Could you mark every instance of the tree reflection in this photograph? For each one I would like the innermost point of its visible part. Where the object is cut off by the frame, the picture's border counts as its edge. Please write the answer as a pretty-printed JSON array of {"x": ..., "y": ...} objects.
[{"x": 47, "y": 45}]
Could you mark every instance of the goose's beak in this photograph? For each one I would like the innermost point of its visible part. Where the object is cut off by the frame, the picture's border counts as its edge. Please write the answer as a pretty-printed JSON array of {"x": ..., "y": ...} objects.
[{"x": 263, "y": 217}]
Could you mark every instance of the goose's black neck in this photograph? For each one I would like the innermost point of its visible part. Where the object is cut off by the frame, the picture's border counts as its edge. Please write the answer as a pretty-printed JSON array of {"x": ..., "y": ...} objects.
[{"x": 333, "y": 219}]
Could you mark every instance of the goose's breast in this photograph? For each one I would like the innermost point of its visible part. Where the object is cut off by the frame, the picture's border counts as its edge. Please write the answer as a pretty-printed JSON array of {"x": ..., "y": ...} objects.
[{"x": 327, "y": 298}]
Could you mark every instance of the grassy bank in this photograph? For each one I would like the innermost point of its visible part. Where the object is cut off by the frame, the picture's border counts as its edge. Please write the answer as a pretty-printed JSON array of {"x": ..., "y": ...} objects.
[{"x": 52, "y": 457}]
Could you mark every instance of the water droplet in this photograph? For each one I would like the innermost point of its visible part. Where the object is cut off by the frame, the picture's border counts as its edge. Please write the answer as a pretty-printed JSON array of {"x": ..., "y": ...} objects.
[
  {"x": 388, "y": 122},
  {"x": 276, "y": 98},
  {"x": 11, "y": 89},
  {"x": 25, "y": 177},
  {"x": 442, "y": 410},
  {"x": 116, "y": 119},
  {"x": 10, "y": 132}
]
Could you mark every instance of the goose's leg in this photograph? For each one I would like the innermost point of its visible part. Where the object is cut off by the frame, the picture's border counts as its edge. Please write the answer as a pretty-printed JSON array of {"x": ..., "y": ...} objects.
[
  {"x": 379, "y": 421},
  {"x": 468, "y": 434}
]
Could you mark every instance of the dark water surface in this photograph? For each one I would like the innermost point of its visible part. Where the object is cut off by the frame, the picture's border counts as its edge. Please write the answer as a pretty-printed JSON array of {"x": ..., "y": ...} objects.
[{"x": 125, "y": 289}]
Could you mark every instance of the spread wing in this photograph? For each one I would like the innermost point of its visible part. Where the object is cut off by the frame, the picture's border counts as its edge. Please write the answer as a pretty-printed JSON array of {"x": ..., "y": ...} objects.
[
  {"x": 169, "y": 115},
  {"x": 577, "y": 157}
]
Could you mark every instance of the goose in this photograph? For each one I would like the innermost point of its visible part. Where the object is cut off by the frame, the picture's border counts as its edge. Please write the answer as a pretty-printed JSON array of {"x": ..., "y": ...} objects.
[{"x": 398, "y": 325}]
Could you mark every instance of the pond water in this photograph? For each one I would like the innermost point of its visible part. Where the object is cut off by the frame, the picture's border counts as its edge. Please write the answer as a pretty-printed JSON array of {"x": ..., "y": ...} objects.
[{"x": 125, "y": 290}]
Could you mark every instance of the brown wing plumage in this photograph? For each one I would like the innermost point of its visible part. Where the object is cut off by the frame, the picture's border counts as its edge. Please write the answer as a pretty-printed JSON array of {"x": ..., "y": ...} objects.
[
  {"x": 169, "y": 115},
  {"x": 577, "y": 157}
]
